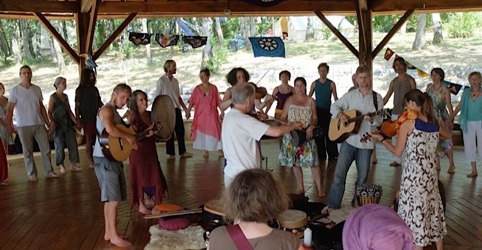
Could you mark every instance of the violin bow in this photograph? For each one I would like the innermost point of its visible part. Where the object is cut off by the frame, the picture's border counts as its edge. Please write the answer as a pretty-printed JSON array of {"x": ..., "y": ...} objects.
[{"x": 262, "y": 77}]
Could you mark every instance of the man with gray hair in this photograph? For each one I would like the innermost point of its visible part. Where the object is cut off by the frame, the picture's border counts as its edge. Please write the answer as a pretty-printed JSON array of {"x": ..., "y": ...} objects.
[
  {"x": 31, "y": 118},
  {"x": 240, "y": 132}
]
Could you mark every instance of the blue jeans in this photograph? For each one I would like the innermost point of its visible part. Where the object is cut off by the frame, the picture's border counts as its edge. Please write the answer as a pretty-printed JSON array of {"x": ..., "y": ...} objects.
[{"x": 347, "y": 155}]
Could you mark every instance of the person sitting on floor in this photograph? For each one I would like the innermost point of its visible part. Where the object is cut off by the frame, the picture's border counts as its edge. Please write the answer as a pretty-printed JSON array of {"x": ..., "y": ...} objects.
[{"x": 252, "y": 199}]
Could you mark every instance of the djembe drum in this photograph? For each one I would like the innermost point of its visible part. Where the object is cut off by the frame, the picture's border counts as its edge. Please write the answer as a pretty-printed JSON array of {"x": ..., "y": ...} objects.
[
  {"x": 368, "y": 193},
  {"x": 213, "y": 216},
  {"x": 293, "y": 221},
  {"x": 164, "y": 116}
]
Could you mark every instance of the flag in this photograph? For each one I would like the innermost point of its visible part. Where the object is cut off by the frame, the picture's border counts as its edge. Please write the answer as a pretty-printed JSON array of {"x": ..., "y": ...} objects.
[
  {"x": 453, "y": 87},
  {"x": 388, "y": 54},
  {"x": 421, "y": 73},
  {"x": 167, "y": 40},
  {"x": 139, "y": 38},
  {"x": 195, "y": 41},
  {"x": 268, "y": 46}
]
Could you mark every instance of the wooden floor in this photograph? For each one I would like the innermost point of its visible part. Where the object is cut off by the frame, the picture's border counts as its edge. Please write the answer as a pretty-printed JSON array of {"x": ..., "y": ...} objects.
[{"x": 66, "y": 213}]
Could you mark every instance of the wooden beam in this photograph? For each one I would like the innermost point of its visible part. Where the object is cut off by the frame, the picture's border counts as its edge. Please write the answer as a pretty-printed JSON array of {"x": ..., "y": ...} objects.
[
  {"x": 227, "y": 7},
  {"x": 365, "y": 38},
  {"x": 392, "y": 32},
  {"x": 86, "y": 5},
  {"x": 337, "y": 33},
  {"x": 429, "y": 5},
  {"x": 91, "y": 26},
  {"x": 51, "y": 29},
  {"x": 361, "y": 24},
  {"x": 114, "y": 35},
  {"x": 38, "y": 6}
]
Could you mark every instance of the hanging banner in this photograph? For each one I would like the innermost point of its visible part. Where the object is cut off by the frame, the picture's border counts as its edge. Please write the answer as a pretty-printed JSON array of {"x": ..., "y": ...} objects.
[{"x": 267, "y": 46}]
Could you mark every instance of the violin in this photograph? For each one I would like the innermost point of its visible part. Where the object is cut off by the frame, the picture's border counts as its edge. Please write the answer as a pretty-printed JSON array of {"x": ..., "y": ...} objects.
[
  {"x": 260, "y": 92},
  {"x": 390, "y": 128}
]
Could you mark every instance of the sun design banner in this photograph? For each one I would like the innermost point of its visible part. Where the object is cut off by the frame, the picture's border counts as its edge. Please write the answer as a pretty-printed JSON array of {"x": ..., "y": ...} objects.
[
  {"x": 195, "y": 41},
  {"x": 167, "y": 40},
  {"x": 268, "y": 46},
  {"x": 139, "y": 38}
]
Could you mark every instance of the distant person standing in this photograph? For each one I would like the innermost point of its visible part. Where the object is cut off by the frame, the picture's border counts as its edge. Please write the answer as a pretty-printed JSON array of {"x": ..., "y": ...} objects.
[
  {"x": 471, "y": 120},
  {"x": 6, "y": 137},
  {"x": 64, "y": 134},
  {"x": 324, "y": 88},
  {"x": 169, "y": 85},
  {"x": 31, "y": 119},
  {"x": 87, "y": 104},
  {"x": 205, "y": 128},
  {"x": 399, "y": 86},
  {"x": 281, "y": 93}
]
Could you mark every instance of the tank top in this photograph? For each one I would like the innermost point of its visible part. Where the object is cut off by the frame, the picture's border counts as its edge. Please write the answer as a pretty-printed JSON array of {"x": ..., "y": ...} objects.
[
  {"x": 281, "y": 98},
  {"x": 400, "y": 88},
  {"x": 323, "y": 94},
  {"x": 99, "y": 126}
]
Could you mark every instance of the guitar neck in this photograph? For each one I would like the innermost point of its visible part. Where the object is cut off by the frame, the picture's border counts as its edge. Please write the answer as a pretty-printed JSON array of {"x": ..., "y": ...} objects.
[
  {"x": 356, "y": 118},
  {"x": 171, "y": 214}
]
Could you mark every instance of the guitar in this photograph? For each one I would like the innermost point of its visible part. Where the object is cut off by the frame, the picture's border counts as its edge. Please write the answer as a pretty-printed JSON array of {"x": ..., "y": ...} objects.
[
  {"x": 339, "y": 131},
  {"x": 119, "y": 149},
  {"x": 173, "y": 214}
]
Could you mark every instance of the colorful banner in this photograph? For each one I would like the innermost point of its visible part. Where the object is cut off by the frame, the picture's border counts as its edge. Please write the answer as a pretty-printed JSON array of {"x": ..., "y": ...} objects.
[
  {"x": 140, "y": 38},
  {"x": 195, "y": 41},
  {"x": 267, "y": 46},
  {"x": 167, "y": 40},
  {"x": 389, "y": 53},
  {"x": 453, "y": 87}
]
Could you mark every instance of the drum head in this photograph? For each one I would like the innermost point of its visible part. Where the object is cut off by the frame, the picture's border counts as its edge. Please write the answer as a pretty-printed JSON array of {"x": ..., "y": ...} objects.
[
  {"x": 214, "y": 207},
  {"x": 163, "y": 114}
]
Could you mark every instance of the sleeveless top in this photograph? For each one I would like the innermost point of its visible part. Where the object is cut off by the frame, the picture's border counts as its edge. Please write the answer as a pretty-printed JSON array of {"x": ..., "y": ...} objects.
[
  {"x": 99, "y": 125},
  {"x": 400, "y": 88},
  {"x": 323, "y": 94},
  {"x": 281, "y": 98},
  {"x": 61, "y": 115}
]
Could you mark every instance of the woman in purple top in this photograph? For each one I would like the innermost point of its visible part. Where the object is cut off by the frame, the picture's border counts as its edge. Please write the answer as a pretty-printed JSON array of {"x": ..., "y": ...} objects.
[{"x": 281, "y": 93}]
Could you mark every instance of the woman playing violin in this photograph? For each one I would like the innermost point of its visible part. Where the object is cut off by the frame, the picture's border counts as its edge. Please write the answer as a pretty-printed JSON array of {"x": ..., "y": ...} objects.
[
  {"x": 420, "y": 204},
  {"x": 301, "y": 107}
]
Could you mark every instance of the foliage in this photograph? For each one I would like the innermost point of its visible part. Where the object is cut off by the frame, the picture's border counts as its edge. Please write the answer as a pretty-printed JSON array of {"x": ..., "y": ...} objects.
[
  {"x": 230, "y": 27},
  {"x": 463, "y": 25},
  {"x": 220, "y": 56}
]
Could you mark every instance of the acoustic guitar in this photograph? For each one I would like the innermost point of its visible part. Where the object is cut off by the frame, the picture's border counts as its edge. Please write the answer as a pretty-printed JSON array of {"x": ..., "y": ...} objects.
[
  {"x": 119, "y": 149},
  {"x": 339, "y": 131}
]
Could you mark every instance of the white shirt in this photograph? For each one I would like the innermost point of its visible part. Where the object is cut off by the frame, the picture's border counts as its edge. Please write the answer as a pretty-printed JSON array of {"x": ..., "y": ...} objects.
[
  {"x": 165, "y": 86},
  {"x": 355, "y": 100},
  {"x": 239, "y": 135},
  {"x": 27, "y": 105}
]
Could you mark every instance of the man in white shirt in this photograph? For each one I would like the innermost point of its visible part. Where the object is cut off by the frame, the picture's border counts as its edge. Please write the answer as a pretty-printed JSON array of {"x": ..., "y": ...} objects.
[
  {"x": 352, "y": 149},
  {"x": 240, "y": 132},
  {"x": 168, "y": 85},
  {"x": 31, "y": 118}
]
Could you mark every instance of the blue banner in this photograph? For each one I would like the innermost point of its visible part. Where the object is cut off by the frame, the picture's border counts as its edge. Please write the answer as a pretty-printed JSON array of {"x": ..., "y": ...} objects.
[{"x": 268, "y": 46}]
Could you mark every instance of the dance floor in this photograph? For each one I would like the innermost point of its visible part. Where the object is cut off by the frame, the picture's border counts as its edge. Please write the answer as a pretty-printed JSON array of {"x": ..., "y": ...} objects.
[{"x": 66, "y": 213}]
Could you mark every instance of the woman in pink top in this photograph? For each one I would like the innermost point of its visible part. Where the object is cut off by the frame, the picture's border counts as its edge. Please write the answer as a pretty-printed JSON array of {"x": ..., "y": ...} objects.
[{"x": 205, "y": 128}]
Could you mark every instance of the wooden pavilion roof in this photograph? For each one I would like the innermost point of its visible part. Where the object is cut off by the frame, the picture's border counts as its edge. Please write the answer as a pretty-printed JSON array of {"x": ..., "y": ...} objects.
[{"x": 157, "y": 8}]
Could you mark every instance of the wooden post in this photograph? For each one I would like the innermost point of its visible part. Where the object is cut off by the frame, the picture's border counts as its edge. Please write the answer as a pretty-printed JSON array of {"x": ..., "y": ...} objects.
[
  {"x": 365, "y": 33},
  {"x": 85, "y": 19}
]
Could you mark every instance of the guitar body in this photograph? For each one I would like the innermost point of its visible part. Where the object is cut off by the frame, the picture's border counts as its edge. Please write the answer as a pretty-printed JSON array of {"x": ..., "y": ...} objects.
[
  {"x": 339, "y": 131},
  {"x": 119, "y": 149}
]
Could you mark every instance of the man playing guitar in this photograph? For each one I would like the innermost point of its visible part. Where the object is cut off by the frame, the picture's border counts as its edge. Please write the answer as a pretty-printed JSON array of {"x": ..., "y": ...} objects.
[
  {"x": 110, "y": 173},
  {"x": 364, "y": 100}
]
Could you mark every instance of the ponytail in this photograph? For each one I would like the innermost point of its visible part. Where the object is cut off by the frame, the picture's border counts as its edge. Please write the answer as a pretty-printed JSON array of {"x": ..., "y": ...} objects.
[{"x": 427, "y": 108}]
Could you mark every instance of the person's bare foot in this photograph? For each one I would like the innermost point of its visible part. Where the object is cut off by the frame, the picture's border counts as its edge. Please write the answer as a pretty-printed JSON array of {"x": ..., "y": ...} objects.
[
  {"x": 62, "y": 169},
  {"x": 186, "y": 155},
  {"x": 118, "y": 241},
  {"x": 107, "y": 238},
  {"x": 321, "y": 193},
  {"x": 144, "y": 210},
  {"x": 472, "y": 175},
  {"x": 221, "y": 153},
  {"x": 206, "y": 155}
]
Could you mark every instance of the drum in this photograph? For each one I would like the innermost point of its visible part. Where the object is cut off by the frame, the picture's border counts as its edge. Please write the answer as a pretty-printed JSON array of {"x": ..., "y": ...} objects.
[
  {"x": 298, "y": 137},
  {"x": 213, "y": 217},
  {"x": 368, "y": 193},
  {"x": 293, "y": 221},
  {"x": 164, "y": 116}
]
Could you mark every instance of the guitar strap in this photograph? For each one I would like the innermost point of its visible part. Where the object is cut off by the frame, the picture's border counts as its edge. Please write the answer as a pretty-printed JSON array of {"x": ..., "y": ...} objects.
[
  {"x": 375, "y": 100},
  {"x": 239, "y": 238}
]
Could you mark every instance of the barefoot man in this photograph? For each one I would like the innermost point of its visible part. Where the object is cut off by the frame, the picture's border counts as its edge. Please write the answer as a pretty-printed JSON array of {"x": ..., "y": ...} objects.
[{"x": 110, "y": 173}]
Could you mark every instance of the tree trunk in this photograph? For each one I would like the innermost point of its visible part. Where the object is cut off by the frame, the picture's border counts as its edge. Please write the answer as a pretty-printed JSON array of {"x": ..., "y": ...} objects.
[
  {"x": 310, "y": 32},
  {"x": 57, "y": 52},
  {"x": 244, "y": 31},
  {"x": 6, "y": 50},
  {"x": 25, "y": 36},
  {"x": 419, "y": 41},
  {"x": 219, "y": 31},
  {"x": 403, "y": 29},
  {"x": 148, "y": 46},
  {"x": 207, "y": 31},
  {"x": 63, "y": 30},
  {"x": 437, "y": 29}
]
